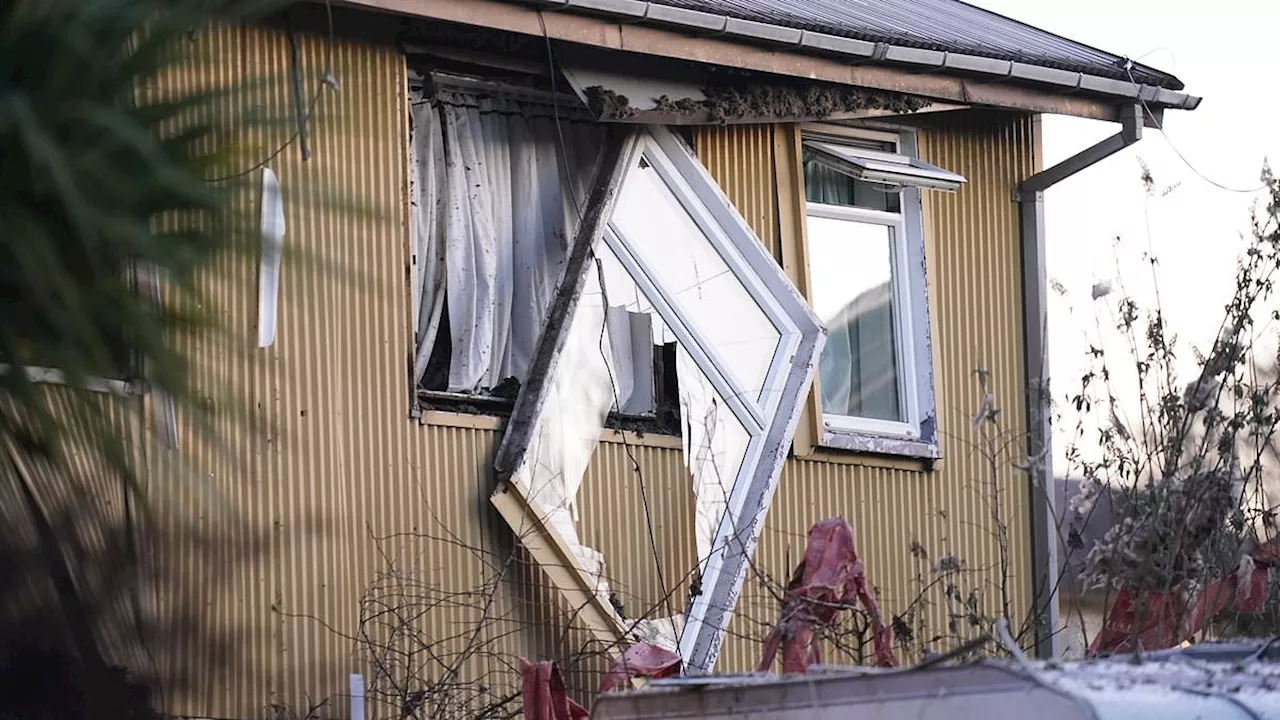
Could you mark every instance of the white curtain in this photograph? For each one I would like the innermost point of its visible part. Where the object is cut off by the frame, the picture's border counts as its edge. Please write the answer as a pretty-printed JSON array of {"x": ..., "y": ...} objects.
[
  {"x": 426, "y": 224},
  {"x": 497, "y": 201},
  {"x": 859, "y": 367}
]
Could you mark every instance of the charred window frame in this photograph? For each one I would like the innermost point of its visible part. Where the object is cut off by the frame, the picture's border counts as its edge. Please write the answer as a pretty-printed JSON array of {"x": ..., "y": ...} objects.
[{"x": 539, "y": 119}]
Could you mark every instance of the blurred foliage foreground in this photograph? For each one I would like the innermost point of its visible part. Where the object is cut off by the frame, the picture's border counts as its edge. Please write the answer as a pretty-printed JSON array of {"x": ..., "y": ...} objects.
[{"x": 106, "y": 202}]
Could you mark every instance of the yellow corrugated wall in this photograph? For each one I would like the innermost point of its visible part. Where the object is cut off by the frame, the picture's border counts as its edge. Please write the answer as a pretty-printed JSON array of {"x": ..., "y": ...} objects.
[
  {"x": 290, "y": 524},
  {"x": 975, "y": 299},
  {"x": 330, "y": 487}
]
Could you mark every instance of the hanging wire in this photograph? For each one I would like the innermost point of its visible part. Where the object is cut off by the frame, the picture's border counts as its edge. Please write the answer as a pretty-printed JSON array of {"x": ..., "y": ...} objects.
[
  {"x": 326, "y": 80},
  {"x": 1128, "y": 69},
  {"x": 562, "y": 146}
]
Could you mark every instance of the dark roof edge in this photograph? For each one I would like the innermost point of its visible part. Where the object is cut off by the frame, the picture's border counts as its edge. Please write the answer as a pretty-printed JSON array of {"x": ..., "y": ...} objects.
[
  {"x": 1176, "y": 83},
  {"x": 705, "y": 23}
]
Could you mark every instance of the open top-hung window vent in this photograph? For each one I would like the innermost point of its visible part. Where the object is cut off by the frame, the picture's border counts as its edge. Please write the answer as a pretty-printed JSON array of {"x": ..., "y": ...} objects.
[
  {"x": 884, "y": 168},
  {"x": 660, "y": 242}
]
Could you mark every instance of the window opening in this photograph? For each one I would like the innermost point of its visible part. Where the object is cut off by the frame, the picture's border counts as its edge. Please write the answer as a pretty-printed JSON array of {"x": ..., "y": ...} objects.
[{"x": 495, "y": 202}]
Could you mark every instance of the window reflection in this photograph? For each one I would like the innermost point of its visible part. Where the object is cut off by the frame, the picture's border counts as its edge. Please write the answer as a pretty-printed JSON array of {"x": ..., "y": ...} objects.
[{"x": 851, "y": 267}]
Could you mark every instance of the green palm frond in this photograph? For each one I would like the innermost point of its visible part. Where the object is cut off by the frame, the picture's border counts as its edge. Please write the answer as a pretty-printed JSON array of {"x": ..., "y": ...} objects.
[{"x": 103, "y": 186}]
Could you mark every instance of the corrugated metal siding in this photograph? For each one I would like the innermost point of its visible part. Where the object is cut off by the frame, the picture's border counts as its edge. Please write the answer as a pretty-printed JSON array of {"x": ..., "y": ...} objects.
[
  {"x": 327, "y": 498},
  {"x": 85, "y": 503},
  {"x": 613, "y": 496},
  {"x": 975, "y": 299},
  {"x": 284, "y": 504},
  {"x": 740, "y": 158}
]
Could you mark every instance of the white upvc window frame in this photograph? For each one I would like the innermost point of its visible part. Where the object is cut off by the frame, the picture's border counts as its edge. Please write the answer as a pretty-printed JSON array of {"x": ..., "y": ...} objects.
[
  {"x": 904, "y": 351},
  {"x": 916, "y": 435},
  {"x": 769, "y": 421}
]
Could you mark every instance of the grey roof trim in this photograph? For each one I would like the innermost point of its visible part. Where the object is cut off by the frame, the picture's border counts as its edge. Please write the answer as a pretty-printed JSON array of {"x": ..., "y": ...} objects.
[{"x": 704, "y": 23}]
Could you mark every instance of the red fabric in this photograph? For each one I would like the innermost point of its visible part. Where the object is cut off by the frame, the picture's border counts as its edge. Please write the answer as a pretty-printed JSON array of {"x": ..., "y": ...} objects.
[
  {"x": 643, "y": 660},
  {"x": 1165, "y": 610},
  {"x": 831, "y": 578},
  {"x": 544, "y": 693}
]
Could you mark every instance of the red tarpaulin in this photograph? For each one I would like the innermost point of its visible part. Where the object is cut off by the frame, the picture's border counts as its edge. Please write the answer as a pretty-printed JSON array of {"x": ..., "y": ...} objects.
[
  {"x": 643, "y": 660},
  {"x": 544, "y": 693},
  {"x": 831, "y": 578},
  {"x": 543, "y": 686},
  {"x": 1158, "y": 619}
]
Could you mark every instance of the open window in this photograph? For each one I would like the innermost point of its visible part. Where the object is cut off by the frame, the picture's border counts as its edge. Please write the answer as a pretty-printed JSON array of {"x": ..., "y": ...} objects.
[
  {"x": 662, "y": 246},
  {"x": 866, "y": 278},
  {"x": 499, "y": 177}
]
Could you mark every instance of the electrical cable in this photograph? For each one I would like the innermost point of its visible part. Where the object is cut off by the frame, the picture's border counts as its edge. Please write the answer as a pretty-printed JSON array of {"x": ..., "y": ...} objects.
[
  {"x": 326, "y": 80},
  {"x": 562, "y": 146},
  {"x": 1128, "y": 69}
]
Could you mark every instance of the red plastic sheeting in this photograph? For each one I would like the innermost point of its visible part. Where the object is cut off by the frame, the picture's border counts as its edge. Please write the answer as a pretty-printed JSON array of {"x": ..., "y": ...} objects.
[
  {"x": 643, "y": 660},
  {"x": 831, "y": 578},
  {"x": 544, "y": 693},
  {"x": 1167, "y": 620},
  {"x": 543, "y": 685}
]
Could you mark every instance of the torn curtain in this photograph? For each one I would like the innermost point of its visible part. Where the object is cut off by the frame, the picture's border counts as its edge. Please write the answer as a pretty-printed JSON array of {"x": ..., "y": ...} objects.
[{"x": 494, "y": 206}]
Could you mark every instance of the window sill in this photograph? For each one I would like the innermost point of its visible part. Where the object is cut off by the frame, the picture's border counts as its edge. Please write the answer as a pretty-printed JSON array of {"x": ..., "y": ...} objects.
[
  {"x": 851, "y": 441},
  {"x": 53, "y": 376},
  {"x": 472, "y": 419}
]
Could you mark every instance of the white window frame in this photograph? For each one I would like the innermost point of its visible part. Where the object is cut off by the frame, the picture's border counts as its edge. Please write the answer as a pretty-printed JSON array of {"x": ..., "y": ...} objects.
[
  {"x": 916, "y": 435},
  {"x": 770, "y": 423},
  {"x": 901, "y": 281}
]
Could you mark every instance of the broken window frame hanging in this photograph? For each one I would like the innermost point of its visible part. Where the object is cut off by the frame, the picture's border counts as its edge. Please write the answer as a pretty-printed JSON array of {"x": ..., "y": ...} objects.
[
  {"x": 768, "y": 418},
  {"x": 850, "y": 151}
]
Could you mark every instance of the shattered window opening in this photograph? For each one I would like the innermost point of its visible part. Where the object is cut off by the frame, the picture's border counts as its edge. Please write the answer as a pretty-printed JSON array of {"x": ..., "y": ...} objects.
[
  {"x": 494, "y": 204},
  {"x": 677, "y": 259},
  {"x": 867, "y": 278}
]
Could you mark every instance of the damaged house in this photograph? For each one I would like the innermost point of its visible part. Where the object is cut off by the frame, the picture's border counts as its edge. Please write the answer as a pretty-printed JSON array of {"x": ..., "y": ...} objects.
[{"x": 645, "y": 290}]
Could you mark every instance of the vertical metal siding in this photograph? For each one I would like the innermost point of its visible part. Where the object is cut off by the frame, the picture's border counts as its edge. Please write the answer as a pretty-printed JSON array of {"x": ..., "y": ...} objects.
[
  {"x": 740, "y": 158},
  {"x": 327, "y": 481},
  {"x": 84, "y": 501},
  {"x": 286, "y": 502},
  {"x": 975, "y": 298},
  {"x": 621, "y": 482}
]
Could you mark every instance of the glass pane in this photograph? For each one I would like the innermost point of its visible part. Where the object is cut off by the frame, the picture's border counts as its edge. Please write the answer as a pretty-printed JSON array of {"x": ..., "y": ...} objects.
[
  {"x": 851, "y": 275},
  {"x": 715, "y": 445},
  {"x": 593, "y": 374},
  {"x": 826, "y": 185},
  {"x": 634, "y": 330},
  {"x": 705, "y": 291}
]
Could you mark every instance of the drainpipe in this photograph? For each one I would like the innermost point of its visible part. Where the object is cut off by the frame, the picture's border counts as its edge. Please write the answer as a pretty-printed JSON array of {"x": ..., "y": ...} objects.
[{"x": 1044, "y": 526}]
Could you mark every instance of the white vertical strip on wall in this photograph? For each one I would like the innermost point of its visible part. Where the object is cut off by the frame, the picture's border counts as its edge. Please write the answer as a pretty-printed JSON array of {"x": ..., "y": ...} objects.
[
  {"x": 357, "y": 696},
  {"x": 272, "y": 249}
]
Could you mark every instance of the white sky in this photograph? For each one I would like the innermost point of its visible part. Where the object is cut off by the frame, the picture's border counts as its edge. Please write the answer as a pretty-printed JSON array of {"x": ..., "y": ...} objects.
[{"x": 1225, "y": 52}]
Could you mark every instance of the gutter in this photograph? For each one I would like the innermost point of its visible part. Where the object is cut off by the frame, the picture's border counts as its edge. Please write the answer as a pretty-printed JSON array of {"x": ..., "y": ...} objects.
[
  {"x": 701, "y": 23},
  {"x": 1044, "y": 519}
]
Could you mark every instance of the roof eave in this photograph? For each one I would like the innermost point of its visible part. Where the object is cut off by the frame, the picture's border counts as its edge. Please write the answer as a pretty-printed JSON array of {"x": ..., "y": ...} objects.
[
  {"x": 638, "y": 26},
  {"x": 705, "y": 23}
]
